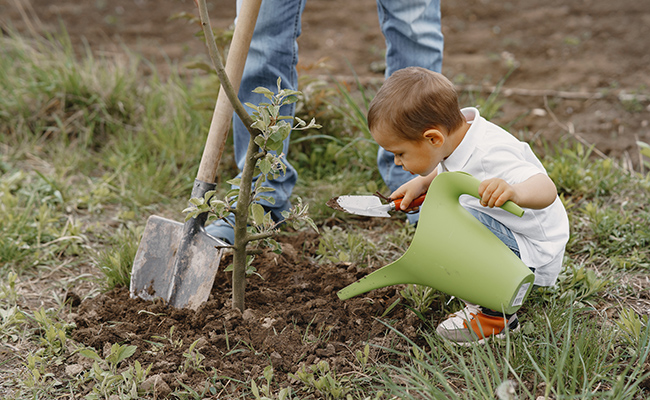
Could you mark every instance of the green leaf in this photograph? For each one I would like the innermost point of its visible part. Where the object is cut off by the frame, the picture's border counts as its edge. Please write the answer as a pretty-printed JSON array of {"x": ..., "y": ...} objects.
[
  {"x": 122, "y": 352},
  {"x": 261, "y": 125},
  {"x": 265, "y": 166},
  {"x": 253, "y": 106},
  {"x": 196, "y": 201},
  {"x": 90, "y": 353},
  {"x": 281, "y": 133},
  {"x": 260, "y": 141},
  {"x": 234, "y": 182},
  {"x": 270, "y": 199},
  {"x": 258, "y": 213},
  {"x": 290, "y": 100},
  {"x": 266, "y": 92},
  {"x": 208, "y": 195},
  {"x": 254, "y": 389},
  {"x": 311, "y": 223},
  {"x": 232, "y": 193},
  {"x": 274, "y": 111}
]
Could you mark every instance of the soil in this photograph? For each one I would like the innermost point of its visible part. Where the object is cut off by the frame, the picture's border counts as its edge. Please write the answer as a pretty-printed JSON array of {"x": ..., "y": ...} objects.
[
  {"x": 575, "y": 64},
  {"x": 293, "y": 319}
]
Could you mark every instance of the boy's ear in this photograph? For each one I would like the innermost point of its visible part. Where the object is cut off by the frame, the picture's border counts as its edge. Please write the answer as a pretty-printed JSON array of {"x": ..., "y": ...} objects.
[{"x": 434, "y": 136}]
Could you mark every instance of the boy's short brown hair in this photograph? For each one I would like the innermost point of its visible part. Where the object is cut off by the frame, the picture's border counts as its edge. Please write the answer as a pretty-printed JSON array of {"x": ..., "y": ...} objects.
[{"x": 413, "y": 100}]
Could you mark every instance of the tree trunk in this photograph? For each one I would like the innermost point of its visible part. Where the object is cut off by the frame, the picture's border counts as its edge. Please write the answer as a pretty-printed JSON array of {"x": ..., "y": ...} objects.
[{"x": 241, "y": 221}]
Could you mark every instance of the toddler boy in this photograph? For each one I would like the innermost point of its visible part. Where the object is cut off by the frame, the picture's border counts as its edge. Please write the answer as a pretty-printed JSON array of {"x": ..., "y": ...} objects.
[{"x": 416, "y": 116}]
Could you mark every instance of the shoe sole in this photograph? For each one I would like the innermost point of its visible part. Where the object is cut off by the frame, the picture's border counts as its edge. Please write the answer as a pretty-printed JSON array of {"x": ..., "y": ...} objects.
[{"x": 500, "y": 336}]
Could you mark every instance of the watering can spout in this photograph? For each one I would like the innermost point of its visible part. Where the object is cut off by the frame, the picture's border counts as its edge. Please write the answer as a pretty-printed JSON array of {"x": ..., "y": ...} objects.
[{"x": 453, "y": 252}]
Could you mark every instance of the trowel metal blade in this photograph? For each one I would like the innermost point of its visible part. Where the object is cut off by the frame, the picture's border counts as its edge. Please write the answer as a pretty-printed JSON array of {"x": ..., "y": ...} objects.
[{"x": 369, "y": 206}]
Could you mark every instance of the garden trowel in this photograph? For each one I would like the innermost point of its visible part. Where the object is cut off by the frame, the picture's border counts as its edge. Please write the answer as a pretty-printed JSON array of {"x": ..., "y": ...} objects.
[
  {"x": 178, "y": 262},
  {"x": 370, "y": 206}
]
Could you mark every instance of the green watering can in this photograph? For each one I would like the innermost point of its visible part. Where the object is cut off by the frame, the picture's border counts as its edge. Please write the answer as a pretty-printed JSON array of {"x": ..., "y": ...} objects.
[{"x": 453, "y": 252}]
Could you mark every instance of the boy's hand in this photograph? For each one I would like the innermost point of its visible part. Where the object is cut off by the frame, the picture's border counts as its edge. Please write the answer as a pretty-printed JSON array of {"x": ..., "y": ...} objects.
[
  {"x": 495, "y": 192},
  {"x": 410, "y": 190},
  {"x": 536, "y": 192}
]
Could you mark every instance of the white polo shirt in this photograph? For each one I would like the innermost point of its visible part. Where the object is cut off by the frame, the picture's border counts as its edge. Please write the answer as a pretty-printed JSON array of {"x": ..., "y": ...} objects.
[{"x": 488, "y": 151}]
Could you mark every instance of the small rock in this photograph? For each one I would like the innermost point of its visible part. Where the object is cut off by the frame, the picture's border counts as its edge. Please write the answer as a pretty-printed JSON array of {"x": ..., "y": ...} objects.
[
  {"x": 539, "y": 112},
  {"x": 201, "y": 342},
  {"x": 267, "y": 322},
  {"x": 328, "y": 351},
  {"x": 74, "y": 369},
  {"x": 248, "y": 315},
  {"x": 156, "y": 385},
  {"x": 234, "y": 313}
]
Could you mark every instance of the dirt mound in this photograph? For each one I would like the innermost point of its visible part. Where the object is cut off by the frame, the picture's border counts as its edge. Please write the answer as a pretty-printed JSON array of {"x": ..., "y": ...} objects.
[{"x": 293, "y": 317}]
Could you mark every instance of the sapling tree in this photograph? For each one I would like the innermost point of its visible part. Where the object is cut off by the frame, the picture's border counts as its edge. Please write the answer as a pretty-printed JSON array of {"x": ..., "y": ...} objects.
[{"x": 268, "y": 129}]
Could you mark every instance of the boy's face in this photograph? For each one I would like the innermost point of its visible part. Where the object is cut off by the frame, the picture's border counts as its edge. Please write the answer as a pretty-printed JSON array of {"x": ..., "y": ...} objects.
[{"x": 419, "y": 157}]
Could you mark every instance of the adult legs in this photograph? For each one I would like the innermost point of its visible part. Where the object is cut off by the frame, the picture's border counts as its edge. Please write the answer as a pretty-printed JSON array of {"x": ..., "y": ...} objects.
[
  {"x": 273, "y": 54},
  {"x": 413, "y": 39}
]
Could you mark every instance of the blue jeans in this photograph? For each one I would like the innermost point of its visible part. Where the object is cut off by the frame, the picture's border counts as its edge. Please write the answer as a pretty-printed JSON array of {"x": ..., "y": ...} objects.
[
  {"x": 501, "y": 231},
  {"x": 413, "y": 38}
]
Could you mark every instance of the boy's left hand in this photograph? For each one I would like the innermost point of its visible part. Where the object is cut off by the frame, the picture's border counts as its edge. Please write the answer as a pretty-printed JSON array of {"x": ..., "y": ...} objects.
[{"x": 495, "y": 192}]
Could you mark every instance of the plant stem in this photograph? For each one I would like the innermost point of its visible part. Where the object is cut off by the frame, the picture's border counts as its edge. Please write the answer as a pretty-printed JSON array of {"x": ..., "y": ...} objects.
[
  {"x": 244, "y": 198},
  {"x": 241, "y": 221}
]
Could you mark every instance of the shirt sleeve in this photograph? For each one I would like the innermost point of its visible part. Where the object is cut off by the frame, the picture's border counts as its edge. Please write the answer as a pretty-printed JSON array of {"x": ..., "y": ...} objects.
[{"x": 512, "y": 163}]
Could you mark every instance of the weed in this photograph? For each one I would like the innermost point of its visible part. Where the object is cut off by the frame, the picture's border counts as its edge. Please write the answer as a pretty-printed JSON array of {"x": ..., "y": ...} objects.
[
  {"x": 8, "y": 288},
  {"x": 632, "y": 325},
  {"x": 108, "y": 380},
  {"x": 264, "y": 391},
  {"x": 322, "y": 379},
  {"x": 53, "y": 333},
  {"x": 173, "y": 343},
  {"x": 193, "y": 358},
  {"x": 339, "y": 246},
  {"x": 420, "y": 298},
  {"x": 579, "y": 284},
  {"x": 11, "y": 318},
  {"x": 116, "y": 261}
]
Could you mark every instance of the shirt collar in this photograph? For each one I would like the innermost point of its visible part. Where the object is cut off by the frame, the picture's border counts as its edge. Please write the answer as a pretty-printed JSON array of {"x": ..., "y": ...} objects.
[{"x": 457, "y": 160}]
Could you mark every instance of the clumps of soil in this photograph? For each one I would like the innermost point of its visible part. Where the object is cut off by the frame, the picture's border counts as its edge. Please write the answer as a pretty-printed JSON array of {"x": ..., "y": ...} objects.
[{"x": 293, "y": 318}]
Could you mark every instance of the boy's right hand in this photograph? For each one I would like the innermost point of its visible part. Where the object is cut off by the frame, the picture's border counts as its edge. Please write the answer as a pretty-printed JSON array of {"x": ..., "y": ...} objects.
[{"x": 411, "y": 190}]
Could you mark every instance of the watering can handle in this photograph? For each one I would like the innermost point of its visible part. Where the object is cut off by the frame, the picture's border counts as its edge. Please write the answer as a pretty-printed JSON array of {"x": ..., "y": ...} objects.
[{"x": 467, "y": 184}]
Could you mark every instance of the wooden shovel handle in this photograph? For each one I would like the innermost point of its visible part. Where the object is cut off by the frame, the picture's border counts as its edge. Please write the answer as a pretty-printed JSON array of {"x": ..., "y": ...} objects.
[{"x": 223, "y": 110}]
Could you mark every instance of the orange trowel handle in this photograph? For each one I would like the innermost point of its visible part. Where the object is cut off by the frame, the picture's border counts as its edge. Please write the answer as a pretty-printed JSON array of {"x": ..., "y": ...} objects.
[{"x": 417, "y": 202}]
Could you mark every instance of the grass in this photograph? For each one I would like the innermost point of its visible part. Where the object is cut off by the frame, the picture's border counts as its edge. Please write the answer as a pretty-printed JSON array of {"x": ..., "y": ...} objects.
[
  {"x": 567, "y": 353},
  {"x": 91, "y": 146}
]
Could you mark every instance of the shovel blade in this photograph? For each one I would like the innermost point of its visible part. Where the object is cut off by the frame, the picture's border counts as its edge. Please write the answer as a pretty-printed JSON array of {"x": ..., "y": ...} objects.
[
  {"x": 175, "y": 265},
  {"x": 368, "y": 206}
]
